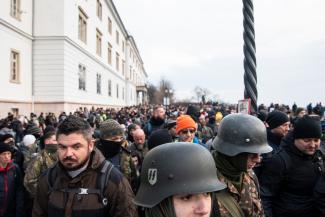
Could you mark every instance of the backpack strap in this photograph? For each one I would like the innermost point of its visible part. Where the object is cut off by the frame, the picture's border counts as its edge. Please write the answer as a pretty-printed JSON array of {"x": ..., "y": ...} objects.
[
  {"x": 102, "y": 180},
  {"x": 230, "y": 203}
]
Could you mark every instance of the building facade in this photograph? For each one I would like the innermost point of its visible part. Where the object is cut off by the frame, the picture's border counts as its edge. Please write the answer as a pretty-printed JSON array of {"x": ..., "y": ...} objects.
[{"x": 61, "y": 55}]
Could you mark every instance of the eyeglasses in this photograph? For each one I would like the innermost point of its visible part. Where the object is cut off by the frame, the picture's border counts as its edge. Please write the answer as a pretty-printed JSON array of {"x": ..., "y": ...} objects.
[{"x": 187, "y": 130}]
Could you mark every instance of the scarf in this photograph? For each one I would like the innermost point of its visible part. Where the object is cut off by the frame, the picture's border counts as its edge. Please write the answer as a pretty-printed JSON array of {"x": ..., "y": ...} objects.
[
  {"x": 232, "y": 168},
  {"x": 110, "y": 148}
]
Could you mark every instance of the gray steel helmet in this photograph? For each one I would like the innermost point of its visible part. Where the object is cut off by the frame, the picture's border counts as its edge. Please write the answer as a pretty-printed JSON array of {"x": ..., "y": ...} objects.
[
  {"x": 239, "y": 133},
  {"x": 176, "y": 168}
]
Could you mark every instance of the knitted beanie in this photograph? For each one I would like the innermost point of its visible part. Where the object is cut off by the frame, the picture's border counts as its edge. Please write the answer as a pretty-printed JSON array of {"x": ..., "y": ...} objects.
[
  {"x": 110, "y": 128},
  {"x": 33, "y": 130},
  {"x": 159, "y": 137},
  {"x": 5, "y": 137},
  {"x": 307, "y": 127},
  {"x": 276, "y": 118},
  {"x": 184, "y": 122},
  {"x": 4, "y": 147}
]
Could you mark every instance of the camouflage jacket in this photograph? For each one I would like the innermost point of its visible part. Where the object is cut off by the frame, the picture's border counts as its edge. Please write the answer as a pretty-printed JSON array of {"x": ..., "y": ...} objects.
[
  {"x": 248, "y": 199},
  {"x": 128, "y": 169},
  {"x": 29, "y": 154},
  {"x": 36, "y": 167}
]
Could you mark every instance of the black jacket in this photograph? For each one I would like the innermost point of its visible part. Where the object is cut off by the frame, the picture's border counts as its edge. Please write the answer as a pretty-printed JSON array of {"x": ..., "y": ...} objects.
[
  {"x": 273, "y": 141},
  {"x": 11, "y": 191},
  {"x": 152, "y": 125},
  {"x": 287, "y": 181}
]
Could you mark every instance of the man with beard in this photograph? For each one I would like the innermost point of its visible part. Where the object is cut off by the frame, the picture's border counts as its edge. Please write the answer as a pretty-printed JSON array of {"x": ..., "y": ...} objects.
[
  {"x": 157, "y": 121},
  {"x": 113, "y": 145},
  {"x": 74, "y": 186},
  {"x": 139, "y": 146}
]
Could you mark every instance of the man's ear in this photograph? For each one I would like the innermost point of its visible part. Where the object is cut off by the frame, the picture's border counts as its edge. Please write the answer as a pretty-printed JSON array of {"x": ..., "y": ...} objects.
[{"x": 91, "y": 144}]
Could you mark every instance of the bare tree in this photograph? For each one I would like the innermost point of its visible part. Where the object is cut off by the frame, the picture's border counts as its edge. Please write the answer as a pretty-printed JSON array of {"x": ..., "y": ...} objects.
[
  {"x": 152, "y": 92},
  {"x": 201, "y": 93},
  {"x": 165, "y": 90},
  {"x": 157, "y": 94}
]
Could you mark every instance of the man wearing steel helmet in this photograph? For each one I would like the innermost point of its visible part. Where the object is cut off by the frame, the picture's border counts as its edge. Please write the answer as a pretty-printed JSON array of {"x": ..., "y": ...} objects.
[
  {"x": 240, "y": 141},
  {"x": 174, "y": 185}
]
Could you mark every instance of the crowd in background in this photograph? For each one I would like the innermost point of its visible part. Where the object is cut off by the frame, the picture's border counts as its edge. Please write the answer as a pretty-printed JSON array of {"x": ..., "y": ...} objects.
[{"x": 123, "y": 136}]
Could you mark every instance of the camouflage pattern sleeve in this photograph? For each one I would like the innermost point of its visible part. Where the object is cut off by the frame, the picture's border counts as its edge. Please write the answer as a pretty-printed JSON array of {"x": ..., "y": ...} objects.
[{"x": 32, "y": 174}]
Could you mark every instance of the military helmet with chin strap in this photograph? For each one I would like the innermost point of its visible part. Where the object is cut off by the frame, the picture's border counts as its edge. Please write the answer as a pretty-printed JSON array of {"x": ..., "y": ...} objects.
[
  {"x": 176, "y": 168},
  {"x": 241, "y": 133}
]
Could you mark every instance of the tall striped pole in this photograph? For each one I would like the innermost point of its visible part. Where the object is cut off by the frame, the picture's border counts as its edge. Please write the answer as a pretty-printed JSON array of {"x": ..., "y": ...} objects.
[{"x": 250, "y": 77}]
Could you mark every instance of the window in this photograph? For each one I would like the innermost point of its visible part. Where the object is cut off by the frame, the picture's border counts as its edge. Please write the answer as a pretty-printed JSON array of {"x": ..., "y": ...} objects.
[
  {"x": 82, "y": 77},
  {"x": 109, "y": 88},
  {"x": 123, "y": 93},
  {"x": 117, "y": 61},
  {"x": 117, "y": 88},
  {"x": 109, "y": 25},
  {"x": 99, "y": 81},
  {"x": 98, "y": 42},
  {"x": 117, "y": 37},
  {"x": 109, "y": 54},
  {"x": 14, "y": 69},
  {"x": 123, "y": 67},
  {"x": 99, "y": 9},
  {"x": 123, "y": 46},
  {"x": 82, "y": 26},
  {"x": 15, "y": 9}
]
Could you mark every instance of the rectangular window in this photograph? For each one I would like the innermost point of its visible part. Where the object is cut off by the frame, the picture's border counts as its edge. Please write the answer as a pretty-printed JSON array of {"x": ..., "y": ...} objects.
[
  {"x": 117, "y": 89},
  {"x": 123, "y": 46},
  {"x": 109, "y": 25},
  {"x": 117, "y": 61},
  {"x": 99, "y": 82},
  {"x": 15, "y": 66},
  {"x": 123, "y": 93},
  {"x": 98, "y": 42},
  {"x": 82, "y": 26},
  {"x": 123, "y": 67},
  {"x": 109, "y": 54},
  {"x": 109, "y": 88},
  {"x": 117, "y": 37},
  {"x": 82, "y": 77},
  {"x": 99, "y": 9},
  {"x": 15, "y": 9}
]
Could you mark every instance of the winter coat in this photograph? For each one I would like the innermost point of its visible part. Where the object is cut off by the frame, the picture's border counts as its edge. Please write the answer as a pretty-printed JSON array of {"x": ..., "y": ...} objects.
[
  {"x": 287, "y": 181},
  {"x": 11, "y": 191},
  {"x": 55, "y": 196},
  {"x": 153, "y": 125}
]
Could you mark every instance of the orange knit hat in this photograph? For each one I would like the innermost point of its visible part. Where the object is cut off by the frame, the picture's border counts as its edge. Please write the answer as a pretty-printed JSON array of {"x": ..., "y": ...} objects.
[{"x": 184, "y": 122}]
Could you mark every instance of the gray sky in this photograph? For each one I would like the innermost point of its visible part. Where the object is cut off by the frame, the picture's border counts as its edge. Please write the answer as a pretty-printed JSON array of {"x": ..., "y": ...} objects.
[{"x": 200, "y": 43}]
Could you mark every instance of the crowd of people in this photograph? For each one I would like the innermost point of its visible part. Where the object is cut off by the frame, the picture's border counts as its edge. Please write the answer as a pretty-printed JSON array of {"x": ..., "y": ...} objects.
[{"x": 156, "y": 161}]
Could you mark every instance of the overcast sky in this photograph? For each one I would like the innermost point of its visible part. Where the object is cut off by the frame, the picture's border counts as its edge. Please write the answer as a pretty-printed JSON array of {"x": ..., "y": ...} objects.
[{"x": 200, "y": 43}]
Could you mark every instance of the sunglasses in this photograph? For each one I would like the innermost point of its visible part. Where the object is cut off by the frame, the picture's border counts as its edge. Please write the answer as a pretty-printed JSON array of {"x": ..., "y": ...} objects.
[{"x": 187, "y": 130}]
